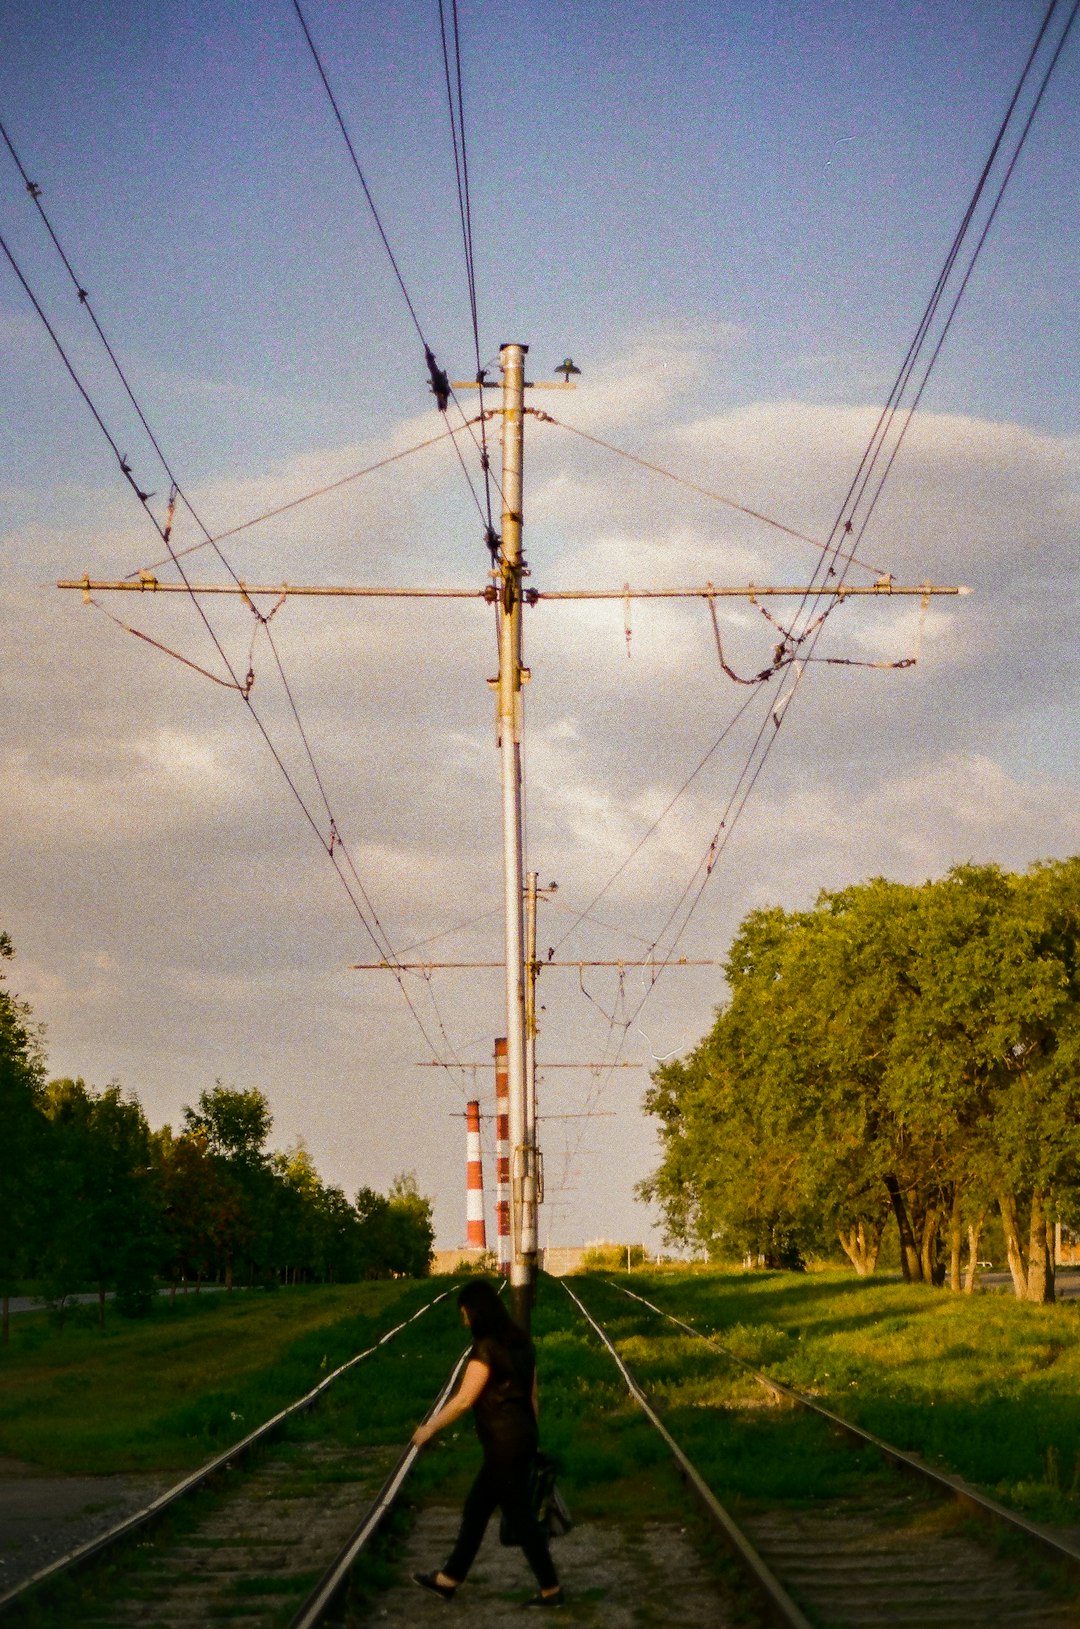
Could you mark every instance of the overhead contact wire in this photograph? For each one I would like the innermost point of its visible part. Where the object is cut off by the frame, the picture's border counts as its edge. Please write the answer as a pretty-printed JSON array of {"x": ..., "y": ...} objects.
[
  {"x": 234, "y": 681},
  {"x": 859, "y": 485},
  {"x": 309, "y": 497},
  {"x": 429, "y": 355},
  {"x": 692, "y": 486},
  {"x": 461, "y": 174}
]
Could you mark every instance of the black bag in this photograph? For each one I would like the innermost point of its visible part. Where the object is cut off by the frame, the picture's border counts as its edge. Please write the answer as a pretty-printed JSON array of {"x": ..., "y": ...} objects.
[{"x": 548, "y": 1504}]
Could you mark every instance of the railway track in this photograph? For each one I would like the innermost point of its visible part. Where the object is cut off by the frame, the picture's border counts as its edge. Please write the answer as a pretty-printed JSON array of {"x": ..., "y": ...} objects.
[
  {"x": 270, "y": 1522},
  {"x": 275, "y": 1543},
  {"x": 909, "y": 1548}
]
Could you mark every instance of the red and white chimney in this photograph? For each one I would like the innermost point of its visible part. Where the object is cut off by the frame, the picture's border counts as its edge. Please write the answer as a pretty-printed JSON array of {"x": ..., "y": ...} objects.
[
  {"x": 475, "y": 1231},
  {"x": 502, "y": 1155}
]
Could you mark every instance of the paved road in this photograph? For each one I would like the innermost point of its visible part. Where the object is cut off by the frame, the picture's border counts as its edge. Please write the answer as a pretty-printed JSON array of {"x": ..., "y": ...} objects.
[
  {"x": 36, "y": 1303},
  {"x": 1066, "y": 1284}
]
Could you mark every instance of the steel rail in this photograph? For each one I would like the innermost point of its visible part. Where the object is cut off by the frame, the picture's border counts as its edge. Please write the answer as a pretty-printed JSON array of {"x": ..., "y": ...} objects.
[
  {"x": 157, "y": 1507},
  {"x": 956, "y": 1488},
  {"x": 334, "y": 1580},
  {"x": 776, "y": 1597}
]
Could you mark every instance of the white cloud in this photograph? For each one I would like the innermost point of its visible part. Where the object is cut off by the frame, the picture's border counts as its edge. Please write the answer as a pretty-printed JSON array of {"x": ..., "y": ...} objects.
[{"x": 175, "y": 918}]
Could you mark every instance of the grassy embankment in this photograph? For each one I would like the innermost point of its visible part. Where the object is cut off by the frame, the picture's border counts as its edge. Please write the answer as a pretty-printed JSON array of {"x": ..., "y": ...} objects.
[
  {"x": 985, "y": 1386},
  {"x": 167, "y": 1392},
  {"x": 372, "y": 1408}
]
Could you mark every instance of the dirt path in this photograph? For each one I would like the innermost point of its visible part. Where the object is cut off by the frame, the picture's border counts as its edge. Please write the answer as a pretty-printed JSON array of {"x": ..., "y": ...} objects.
[
  {"x": 252, "y": 1557},
  {"x": 904, "y": 1560},
  {"x": 647, "y": 1577}
]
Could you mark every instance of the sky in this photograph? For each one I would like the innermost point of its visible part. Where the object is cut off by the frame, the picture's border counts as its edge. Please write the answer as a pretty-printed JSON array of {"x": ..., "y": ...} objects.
[{"x": 731, "y": 217}]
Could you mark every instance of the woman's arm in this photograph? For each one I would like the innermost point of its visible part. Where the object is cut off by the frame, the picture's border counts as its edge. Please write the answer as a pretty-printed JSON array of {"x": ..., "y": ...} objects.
[{"x": 473, "y": 1381}]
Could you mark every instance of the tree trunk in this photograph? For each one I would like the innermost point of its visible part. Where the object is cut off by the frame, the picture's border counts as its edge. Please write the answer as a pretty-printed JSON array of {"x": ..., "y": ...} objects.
[
  {"x": 5, "y": 1322},
  {"x": 101, "y": 1306},
  {"x": 1010, "y": 1223},
  {"x": 956, "y": 1236},
  {"x": 861, "y": 1245},
  {"x": 1040, "y": 1278},
  {"x": 974, "y": 1233},
  {"x": 927, "y": 1252},
  {"x": 228, "y": 1276},
  {"x": 909, "y": 1255}
]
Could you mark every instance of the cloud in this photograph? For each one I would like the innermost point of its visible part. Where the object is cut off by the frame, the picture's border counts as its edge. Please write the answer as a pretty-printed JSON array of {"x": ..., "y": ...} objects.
[{"x": 175, "y": 917}]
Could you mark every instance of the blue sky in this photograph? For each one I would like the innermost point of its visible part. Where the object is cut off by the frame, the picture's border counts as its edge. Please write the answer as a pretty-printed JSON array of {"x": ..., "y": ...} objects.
[{"x": 731, "y": 217}]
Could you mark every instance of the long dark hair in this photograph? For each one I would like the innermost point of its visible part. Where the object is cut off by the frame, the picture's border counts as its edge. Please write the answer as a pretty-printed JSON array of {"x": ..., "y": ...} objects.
[{"x": 487, "y": 1315}]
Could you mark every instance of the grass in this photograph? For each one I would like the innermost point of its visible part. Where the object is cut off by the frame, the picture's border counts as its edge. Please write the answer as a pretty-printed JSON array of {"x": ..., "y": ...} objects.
[
  {"x": 373, "y": 1408},
  {"x": 164, "y": 1393},
  {"x": 984, "y": 1386},
  {"x": 750, "y": 1451}
]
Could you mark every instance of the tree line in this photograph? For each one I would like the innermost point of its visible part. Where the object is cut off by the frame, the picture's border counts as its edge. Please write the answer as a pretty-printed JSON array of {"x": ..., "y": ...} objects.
[
  {"x": 91, "y": 1196},
  {"x": 904, "y": 1054}
]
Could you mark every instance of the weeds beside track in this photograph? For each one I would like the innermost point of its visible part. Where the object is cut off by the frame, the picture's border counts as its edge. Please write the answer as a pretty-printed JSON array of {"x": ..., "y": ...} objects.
[{"x": 844, "y": 1535}]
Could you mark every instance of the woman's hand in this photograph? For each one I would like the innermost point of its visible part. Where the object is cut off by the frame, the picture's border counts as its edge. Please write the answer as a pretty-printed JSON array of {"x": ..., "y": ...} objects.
[{"x": 474, "y": 1380}]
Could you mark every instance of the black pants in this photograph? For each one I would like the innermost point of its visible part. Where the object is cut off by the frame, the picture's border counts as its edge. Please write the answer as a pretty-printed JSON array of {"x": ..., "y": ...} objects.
[{"x": 503, "y": 1481}]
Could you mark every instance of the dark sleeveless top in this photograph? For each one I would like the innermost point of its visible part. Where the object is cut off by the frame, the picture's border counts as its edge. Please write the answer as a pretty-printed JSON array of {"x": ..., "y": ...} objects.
[{"x": 503, "y": 1411}]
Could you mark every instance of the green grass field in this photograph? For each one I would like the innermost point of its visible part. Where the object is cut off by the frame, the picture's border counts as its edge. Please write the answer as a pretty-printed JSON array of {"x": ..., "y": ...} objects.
[
  {"x": 167, "y": 1392},
  {"x": 983, "y": 1385}
]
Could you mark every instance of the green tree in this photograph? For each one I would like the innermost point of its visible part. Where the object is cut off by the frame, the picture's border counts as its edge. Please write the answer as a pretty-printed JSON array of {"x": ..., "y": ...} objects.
[
  {"x": 197, "y": 1204},
  {"x": 396, "y": 1233},
  {"x": 234, "y": 1123},
  {"x": 26, "y": 1141},
  {"x": 900, "y": 1049},
  {"x": 106, "y": 1212}
]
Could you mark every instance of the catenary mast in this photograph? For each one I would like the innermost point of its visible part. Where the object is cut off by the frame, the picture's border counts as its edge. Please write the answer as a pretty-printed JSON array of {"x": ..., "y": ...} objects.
[{"x": 510, "y": 718}]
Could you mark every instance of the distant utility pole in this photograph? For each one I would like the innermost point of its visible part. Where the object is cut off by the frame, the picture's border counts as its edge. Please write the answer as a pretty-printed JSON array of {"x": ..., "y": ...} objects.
[{"x": 532, "y": 1194}]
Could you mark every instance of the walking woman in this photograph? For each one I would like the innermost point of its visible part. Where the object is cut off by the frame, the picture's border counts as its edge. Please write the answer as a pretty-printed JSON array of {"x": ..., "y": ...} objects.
[{"x": 499, "y": 1385}]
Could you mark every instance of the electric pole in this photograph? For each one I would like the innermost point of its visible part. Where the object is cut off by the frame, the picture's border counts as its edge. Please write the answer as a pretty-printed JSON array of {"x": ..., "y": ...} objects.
[
  {"x": 531, "y": 1194},
  {"x": 504, "y": 590},
  {"x": 510, "y": 719}
]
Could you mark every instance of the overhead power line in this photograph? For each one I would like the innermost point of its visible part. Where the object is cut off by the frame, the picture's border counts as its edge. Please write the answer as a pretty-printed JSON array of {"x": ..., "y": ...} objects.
[
  {"x": 439, "y": 382},
  {"x": 456, "y": 102},
  {"x": 309, "y": 497},
  {"x": 343, "y": 127},
  {"x": 692, "y": 486},
  {"x": 851, "y": 524},
  {"x": 333, "y": 840},
  {"x": 854, "y": 514}
]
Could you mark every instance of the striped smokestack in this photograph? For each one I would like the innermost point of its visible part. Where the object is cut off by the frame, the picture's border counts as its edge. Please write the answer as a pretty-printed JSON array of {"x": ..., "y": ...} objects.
[
  {"x": 502, "y": 1155},
  {"x": 475, "y": 1231}
]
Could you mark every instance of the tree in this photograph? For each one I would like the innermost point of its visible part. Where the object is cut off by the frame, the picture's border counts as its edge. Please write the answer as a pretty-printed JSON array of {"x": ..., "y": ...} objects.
[
  {"x": 900, "y": 1049},
  {"x": 414, "y": 1233},
  {"x": 233, "y": 1124},
  {"x": 396, "y": 1234},
  {"x": 22, "y": 1073},
  {"x": 106, "y": 1214},
  {"x": 196, "y": 1206}
]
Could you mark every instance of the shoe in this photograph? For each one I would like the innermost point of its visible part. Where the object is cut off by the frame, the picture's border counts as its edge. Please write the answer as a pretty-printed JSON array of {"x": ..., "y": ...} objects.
[
  {"x": 558, "y": 1599},
  {"x": 430, "y": 1580}
]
